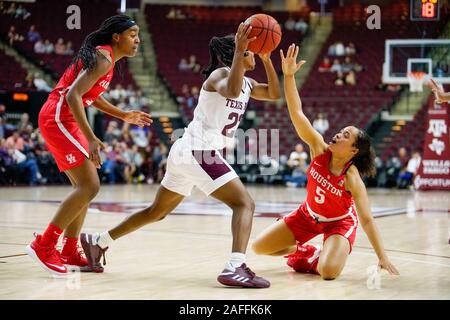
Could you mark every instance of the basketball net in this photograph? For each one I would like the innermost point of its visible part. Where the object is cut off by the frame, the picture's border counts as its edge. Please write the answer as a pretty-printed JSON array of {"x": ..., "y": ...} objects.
[{"x": 416, "y": 81}]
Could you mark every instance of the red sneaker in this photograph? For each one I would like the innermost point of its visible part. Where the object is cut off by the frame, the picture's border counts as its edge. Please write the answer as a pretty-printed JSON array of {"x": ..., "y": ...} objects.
[
  {"x": 47, "y": 257},
  {"x": 93, "y": 252},
  {"x": 242, "y": 277},
  {"x": 76, "y": 262},
  {"x": 305, "y": 259}
]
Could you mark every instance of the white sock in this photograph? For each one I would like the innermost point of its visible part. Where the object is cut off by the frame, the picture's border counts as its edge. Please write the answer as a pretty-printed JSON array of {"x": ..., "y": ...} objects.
[
  {"x": 236, "y": 259},
  {"x": 104, "y": 239}
]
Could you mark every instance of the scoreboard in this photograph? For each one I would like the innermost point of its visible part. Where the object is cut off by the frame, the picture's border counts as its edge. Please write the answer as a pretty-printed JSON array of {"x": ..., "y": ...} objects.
[{"x": 425, "y": 10}]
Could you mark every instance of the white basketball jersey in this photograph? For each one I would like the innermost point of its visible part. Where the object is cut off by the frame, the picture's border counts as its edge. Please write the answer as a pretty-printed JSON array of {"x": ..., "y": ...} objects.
[{"x": 216, "y": 119}]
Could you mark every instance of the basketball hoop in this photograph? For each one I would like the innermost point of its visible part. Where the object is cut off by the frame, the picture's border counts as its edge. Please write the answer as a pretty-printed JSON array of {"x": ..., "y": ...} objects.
[{"x": 416, "y": 81}]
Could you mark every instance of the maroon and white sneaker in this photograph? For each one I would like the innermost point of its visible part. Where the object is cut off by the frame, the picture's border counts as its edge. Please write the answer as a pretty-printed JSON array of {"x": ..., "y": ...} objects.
[
  {"x": 242, "y": 277},
  {"x": 305, "y": 259},
  {"x": 93, "y": 252},
  {"x": 47, "y": 257},
  {"x": 76, "y": 262}
]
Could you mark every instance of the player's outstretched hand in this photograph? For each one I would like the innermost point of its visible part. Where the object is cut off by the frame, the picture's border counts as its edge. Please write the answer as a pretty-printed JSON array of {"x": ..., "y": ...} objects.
[
  {"x": 289, "y": 62},
  {"x": 437, "y": 90},
  {"x": 241, "y": 38},
  {"x": 138, "y": 118},
  {"x": 387, "y": 265}
]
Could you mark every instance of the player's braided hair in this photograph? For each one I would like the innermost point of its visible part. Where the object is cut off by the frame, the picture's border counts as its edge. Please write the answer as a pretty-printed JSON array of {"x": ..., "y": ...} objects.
[
  {"x": 87, "y": 54},
  {"x": 365, "y": 158},
  {"x": 221, "y": 50}
]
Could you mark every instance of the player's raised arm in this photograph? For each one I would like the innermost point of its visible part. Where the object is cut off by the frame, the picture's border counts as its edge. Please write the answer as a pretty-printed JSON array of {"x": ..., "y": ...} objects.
[{"x": 301, "y": 123}]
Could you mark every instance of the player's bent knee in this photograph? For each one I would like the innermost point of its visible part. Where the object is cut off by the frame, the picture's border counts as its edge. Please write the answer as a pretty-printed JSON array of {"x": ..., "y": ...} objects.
[{"x": 330, "y": 271}]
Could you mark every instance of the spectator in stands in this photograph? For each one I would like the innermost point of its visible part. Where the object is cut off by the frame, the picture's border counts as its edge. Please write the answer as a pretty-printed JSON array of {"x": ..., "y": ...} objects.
[
  {"x": 183, "y": 65},
  {"x": 41, "y": 84},
  {"x": 24, "y": 163},
  {"x": 325, "y": 66},
  {"x": 394, "y": 166},
  {"x": 339, "y": 81},
  {"x": 33, "y": 35},
  {"x": 11, "y": 10},
  {"x": 184, "y": 94},
  {"x": 60, "y": 47},
  {"x": 2, "y": 111},
  {"x": 193, "y": 65},
  {"x": 175, "y": 14},
  {"x": 350, "y": 49},
  {"x": 350, "y": 78},
  {"x": 301, "y": 26},
  {"x": 13, "y": 36},
  {"x": 193, "y": 98},
  {"x": 321, "y": 123},
  {"x": 112, "y": 132},
  {"x": 290, "y": 23},
  {"x": 69, "y": 50},
  {"x": 48, "y": 47},
  {"x": 159, "y": 158},
  {"x": 39, "y": 47},
  {"x": 297, "y": 178},
  {"x": 141, "y": 136},
  {"x": 118, "y": 92},
  {"x": 2, "y": 128},
  {"x": 340, "y": 49},
  {"x": 406, "y": 177},
  {"x": 24, "y": 122},
  {"x": 332, "y": 49},
  {"x": 336, "y": 67},
  {"x": 138, "y": 100},
  {"x": 22, "y": 12},
  {"x": 296, "y": 155},
  {"x": 347, "y": 65},
  {"x": 15, "y": 141},
  {"x": 297, "y": 164}
]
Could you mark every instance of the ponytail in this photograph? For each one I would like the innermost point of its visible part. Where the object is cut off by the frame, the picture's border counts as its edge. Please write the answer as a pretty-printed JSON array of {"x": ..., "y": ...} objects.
[
  {"x": 364, "y": 160},
  {"x": 221, "y": 50}
]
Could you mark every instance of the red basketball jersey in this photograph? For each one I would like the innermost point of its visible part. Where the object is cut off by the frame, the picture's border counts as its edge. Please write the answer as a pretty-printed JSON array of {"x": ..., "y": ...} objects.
[
  {"x": 52, "y": 106},
  {"x": 326, "y": 194}
]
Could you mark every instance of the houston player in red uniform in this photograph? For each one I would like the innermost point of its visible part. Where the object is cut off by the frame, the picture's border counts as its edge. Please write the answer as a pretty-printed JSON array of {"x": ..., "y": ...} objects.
[
  {"x": 335, "y": 193},
  {"x": 64, "y": 126}
]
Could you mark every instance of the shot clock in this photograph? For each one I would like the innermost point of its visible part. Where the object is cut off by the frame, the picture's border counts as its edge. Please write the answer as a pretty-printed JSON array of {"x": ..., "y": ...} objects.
[{"x": 425, "y": 10}]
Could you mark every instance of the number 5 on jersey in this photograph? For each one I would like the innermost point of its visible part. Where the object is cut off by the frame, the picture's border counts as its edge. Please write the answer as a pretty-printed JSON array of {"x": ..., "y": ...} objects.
[{"x": 320, "y": 195}]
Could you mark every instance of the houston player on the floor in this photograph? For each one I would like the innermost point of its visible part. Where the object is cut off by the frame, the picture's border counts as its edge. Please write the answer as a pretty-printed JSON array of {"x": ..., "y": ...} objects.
[
  {"x": 68, "y": 136},
  {"x": 335, "y": 193},
  {"x": 195, "y": 159}
]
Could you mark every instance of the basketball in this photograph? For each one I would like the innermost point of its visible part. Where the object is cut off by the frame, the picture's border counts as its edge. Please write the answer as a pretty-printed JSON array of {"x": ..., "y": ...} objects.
[{"x": 267, "y": 32}]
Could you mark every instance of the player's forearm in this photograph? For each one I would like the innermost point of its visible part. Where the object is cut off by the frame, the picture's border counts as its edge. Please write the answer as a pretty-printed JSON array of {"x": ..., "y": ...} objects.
[
  {"x": 75, "y": 103},
  {"x": 293, "y": 100},
  {"x": 236, "y": 76},
  {"x": 272, "y": 80},
  {"x": 103, "y": 105},
  {"x": 374, "y": 237}
]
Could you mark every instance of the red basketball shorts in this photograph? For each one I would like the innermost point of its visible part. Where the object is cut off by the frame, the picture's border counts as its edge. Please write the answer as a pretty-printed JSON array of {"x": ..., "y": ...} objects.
[
  {"x": 63, "y": 138},
  {"x": 304, "y": 227}
]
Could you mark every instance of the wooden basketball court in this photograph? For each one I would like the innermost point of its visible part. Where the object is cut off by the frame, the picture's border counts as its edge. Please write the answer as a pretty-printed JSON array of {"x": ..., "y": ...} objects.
[{"x": 181, "y": 256}]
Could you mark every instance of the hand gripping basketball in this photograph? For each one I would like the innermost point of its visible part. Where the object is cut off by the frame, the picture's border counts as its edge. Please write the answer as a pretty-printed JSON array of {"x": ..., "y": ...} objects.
[{"x": 241, "y": 38}]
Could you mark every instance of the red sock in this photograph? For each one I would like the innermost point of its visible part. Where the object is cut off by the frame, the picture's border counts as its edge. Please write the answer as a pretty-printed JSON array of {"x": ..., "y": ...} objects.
[
  {"x": 70, "y": 246},
  {"x": 50, "y": 236}
]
